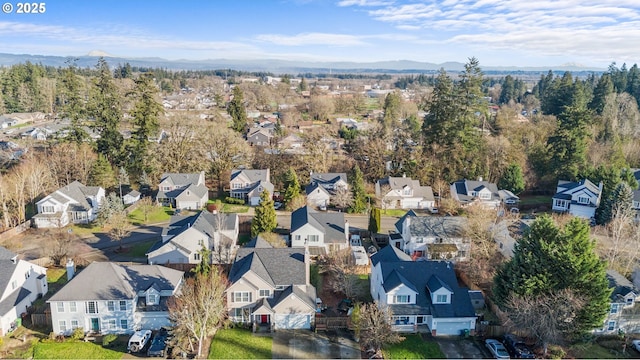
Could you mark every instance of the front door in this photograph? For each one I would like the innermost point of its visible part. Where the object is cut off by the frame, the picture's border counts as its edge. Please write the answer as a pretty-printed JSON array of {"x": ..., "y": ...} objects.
[
  {"x": 264, "y": 319},
  {"x": 95, "y": 324}
]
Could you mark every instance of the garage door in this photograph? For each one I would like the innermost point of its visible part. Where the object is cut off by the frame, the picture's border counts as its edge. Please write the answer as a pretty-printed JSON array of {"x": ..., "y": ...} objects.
[
  {"x": 451, "y": 328},
  {"x": 293, "y": 321},
  {"x": 581, "y": 211}
]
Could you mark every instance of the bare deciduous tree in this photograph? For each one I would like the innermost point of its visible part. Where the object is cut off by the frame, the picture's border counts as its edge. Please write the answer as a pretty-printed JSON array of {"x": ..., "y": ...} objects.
[
  {"x": 59, "y": 244},
  {"x": 145, "y": 205},
  {"x": 200, "y": 308},
  {"x": 343, "y": 198},
  {"x": 344, "y": 278},
  {"x": 373, "y": 325},
  {"x": 120, "y": 227}
]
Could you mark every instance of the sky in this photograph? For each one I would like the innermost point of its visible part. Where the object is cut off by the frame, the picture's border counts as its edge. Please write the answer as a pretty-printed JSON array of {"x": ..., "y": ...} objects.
[{"x": 591, "y": 33}]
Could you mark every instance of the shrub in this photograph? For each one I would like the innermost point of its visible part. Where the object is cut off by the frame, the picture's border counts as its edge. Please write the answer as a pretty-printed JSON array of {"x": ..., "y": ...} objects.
[
  {"x": 77, "y": 334},
  {"x": 108, "y": 339},
  {"x": 230, "y": 200}
]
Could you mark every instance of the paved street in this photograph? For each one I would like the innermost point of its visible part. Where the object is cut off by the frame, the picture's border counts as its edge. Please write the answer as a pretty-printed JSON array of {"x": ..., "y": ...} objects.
[{"x": 360, "y": 222}]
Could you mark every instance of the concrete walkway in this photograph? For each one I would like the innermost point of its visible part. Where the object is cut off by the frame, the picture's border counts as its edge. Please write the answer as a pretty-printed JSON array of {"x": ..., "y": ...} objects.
[{"x": 305, "y": 344}]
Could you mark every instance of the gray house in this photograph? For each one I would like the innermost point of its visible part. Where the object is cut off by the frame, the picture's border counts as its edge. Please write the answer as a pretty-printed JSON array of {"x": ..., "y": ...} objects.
[
  {"x": 249, "y": 184},
  {"x": 270, "y": 287},
  {"x": 74, "y": 203},
  {"x": 322, "y": 232},
  {"x": 109, "y": 298},
  {"x": 183, "y": 191},
  {"x": 467, "y": 192}
]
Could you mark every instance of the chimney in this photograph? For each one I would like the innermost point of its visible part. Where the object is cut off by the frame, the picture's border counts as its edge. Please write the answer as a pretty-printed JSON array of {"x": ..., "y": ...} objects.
[
  {"x": 71, "y": 269},
  {"x": 307, "y": 264},
  {"x": 346, "y": 229},
  {"x": 479, "y": 178}
]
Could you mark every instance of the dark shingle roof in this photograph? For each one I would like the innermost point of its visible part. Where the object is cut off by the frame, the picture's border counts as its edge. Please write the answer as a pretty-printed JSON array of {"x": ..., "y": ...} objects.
[
  {"x": 621, "y": 285},
  {"x": 252, "y": 175},
  {"x": 327, "y": 178},
  {"x": 7, "y": 267},
  {"x": 12, "y": 300},
  {"x": 331, "y": 224},
  {"x": 277, "y": 266},
  {"x": 389, "y": 254}
]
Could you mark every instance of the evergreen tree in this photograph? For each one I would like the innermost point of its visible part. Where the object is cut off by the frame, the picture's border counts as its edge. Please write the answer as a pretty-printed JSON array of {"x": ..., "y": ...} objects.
[
  {"x": 392, "y": 108},
  {"x": 72, "y": 105},
  {"x": 600, "y": 93},
  {"x": 620, "y": 201},
  {"x": 204, "y": 266},
  {"x": 292, "y": 186},
  {"x": 264, "y": 219},
  {"x": 303, "y": 85},
  {"x": 146, "y": 112},
  {"x": 106, "y": 109},
  {"x": 374, "y": 220},
  {"x": 102, "y": 173},
  {"x": 439, "y": 126},
  {"x": 567, "y": 146},
  {"x": 512, "y": 179},
  {"x": 237, "y": 111},
  {"x": 359, "y": 204},
  {"x": 548, "y": 259}
]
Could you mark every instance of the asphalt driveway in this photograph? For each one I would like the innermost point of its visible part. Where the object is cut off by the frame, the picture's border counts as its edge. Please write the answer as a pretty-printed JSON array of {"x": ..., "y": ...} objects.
[
  {"x": 457, "y": 348},
  {"x": 305, "y": 344}
]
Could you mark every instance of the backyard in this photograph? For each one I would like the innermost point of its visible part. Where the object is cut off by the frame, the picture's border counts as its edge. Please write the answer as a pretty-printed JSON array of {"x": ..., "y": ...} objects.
[
  {"x": 239, "y": 343},
  {"x": 414, "y": 347}
]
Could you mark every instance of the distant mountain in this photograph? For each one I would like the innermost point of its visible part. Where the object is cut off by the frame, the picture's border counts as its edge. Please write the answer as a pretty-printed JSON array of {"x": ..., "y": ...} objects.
[{"x": 275, "y": 66}]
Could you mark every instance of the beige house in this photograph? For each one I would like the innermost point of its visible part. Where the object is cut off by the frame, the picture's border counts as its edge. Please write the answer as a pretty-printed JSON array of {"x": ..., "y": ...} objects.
[{"x": 270, "y": 288}]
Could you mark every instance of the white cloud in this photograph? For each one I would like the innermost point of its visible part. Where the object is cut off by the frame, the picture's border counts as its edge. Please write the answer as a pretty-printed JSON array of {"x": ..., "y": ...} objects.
[
  {"x": 312, "y": 39},
  {"x": 364, "y": 3}
]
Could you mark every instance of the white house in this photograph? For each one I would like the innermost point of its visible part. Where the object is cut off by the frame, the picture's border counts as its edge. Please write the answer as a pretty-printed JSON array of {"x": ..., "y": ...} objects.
[
  {"x": 467, "y": 192},
  {"x": 270, "y": 287},
  {"x": 322, "y": 232},
  {"x": 249, "y": 184},
  {"x": 182, "y": 240},
  {"x": 432, "y": 237},
  {"x": 108, "y": 298},
  {"x": 183, "y": 191},
  {"x": 317, "y": 196},
  {"x": 74, "y": 203},
  {"x": 421, "y": 294},
  {"x": 21, "y": 283},
  {"x": 580, "y": 199},
  {"x": 323, "y": 187},
  {"x": 404, "y": 193}
]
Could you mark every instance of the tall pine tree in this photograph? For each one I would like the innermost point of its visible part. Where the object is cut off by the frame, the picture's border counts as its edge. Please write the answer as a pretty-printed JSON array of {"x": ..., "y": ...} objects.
[
  {"x": 359, "y": 204},
  {"x": 237, "y": 111},
  {"x": 265, "y": 219}
]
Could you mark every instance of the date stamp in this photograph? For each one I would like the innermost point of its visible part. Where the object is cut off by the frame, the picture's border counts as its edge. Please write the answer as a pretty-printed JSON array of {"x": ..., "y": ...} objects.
[{"x": 24, "y": 8}]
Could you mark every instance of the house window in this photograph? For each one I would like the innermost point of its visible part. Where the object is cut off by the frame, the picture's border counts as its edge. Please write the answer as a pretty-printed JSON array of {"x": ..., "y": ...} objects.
[
  {"x": 60, "y": 307},
  {"x": 401, "y": 299},
  {"x": 63, "y": 325},
  {"x": 280, "y": 287},
  {"x": 123, "y": 324},
  {"x": 297, "y": 237},
  {"x": 73, "y": 307},
  {"x": 611, "y": 325},
  {"x": 559, "y": 203},
  {"x": 583, "y": 200},
  {"x": 91, "y": 307},
  {"x": 48, "y": 209},
  {"x": 196, "y": 256},
  {"x": 614, "y": 308},
  {"x": 314, "y": 238},
  {"x": 401, "y": 320},
  {"x": 123, "y": 305},
  {"x": 74, "y": 324},
  {"x": 236, "y": 186},
  {"x": 406, "y": 191},
  {"x": 441, "y": 299},
  {"x": 112, "y": 324},
  {"x": 265, "y": 293},
  {"x": 241, "y": 314},
  {"x": 629, "y": 301},
  {"x": 111, "y": 305},
  {"x": 152, "y": 299},
  {"x": 241, "y": 296},
  {"x": 485, "y": 195}
]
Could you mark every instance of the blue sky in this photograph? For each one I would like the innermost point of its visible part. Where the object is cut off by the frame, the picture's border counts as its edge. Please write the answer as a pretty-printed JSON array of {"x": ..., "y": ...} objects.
[{"x": 497, "y": 32}]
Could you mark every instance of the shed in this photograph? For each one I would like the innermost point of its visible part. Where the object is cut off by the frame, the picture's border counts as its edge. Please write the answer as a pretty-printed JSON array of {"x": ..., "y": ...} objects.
[{"x": 477, "y": 299}]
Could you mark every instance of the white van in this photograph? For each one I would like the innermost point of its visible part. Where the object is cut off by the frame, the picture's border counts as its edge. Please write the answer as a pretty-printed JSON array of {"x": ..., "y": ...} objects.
[{"x": 138, "y": 340}]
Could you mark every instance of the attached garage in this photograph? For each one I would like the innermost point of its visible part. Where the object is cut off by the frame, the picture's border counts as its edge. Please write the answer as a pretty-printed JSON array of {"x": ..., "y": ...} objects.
[
  {"x": 292, "y": 321},
  {"x": 455, "y": 327}
]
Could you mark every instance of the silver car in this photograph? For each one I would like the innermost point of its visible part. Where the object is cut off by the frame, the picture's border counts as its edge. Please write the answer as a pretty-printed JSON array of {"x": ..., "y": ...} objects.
[{"x": 497, "y": 349}]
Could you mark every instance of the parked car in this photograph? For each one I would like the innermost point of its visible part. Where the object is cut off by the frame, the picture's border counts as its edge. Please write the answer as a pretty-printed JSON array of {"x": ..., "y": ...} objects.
[
  {"x": 158, "y": 345},
  {"x": 138, "y": 340},
  {"x": 434, "y": 210},
  {"x": 517, "y": 348},
  {"x": 497, "y": 349},
  {"x": 636, "y": 344},
  {"x": 277, "y": 205}
]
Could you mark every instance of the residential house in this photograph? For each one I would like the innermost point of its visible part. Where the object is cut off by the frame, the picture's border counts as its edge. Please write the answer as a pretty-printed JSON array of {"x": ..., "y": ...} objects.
[
  {"x": 74, "y": 203},
  {"x": 109, "y": 298},
  {"x": 11, "y": 151},
  {"x": 131, "y": 197},
  {"x": 249, "y": 184},
  {"x": 182, "y": 240},
  {"x": 508, "y": 198},
  {"x": 580, "y": 198},
  {"x": 404, "y": 193},
  {"x": 21, "y": 283},
  {"x": 322, "y": 232},
  {"x": 479, "y": 191},
  {"x": 40, "y": 134},
  {"x": 259, "y": 136},
  {"x": 323, "y": 186},
  {"x": 624, "y": 306},
  {"x": 423, "y": 295},
  {"x": 183, "y": 191},
  {"x": 291, "y": 144},
  {"x": 270, "y": 287},
  {"x": 431, "y": 237},
  {"x": 317, "y": 196}
]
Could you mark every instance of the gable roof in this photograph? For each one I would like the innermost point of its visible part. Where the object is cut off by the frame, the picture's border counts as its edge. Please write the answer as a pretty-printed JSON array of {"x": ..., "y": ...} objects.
[
  {"x": 389, "y": 253},
  {"x": 419, "y": 273},
  {"x": 315, "y": 186},
  {"x": 77, "y": 192},
  {"x": 463, "y": 188},
  {"x": 621, "y": 286},
  {"x": 570, "y": 187},
  {"x": 327, "y": 178},
  {"x": 276, "y": 266},
  {"x": 7, "y": 267},
  {"x": 181, "y": 179},
  {"x": 111, "y": 281},
  {"x": 399, "y": 183},
  {"x": 252, "y": 175},
  {"x": 330, "y": 224},
  {"x": 444, "y": 227}
]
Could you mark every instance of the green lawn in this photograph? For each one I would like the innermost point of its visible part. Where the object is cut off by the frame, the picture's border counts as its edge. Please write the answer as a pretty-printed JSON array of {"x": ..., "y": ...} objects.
[
  {"x": 594, "y": 350},
  {"x": 413, "y": 347},
  {"x": 393, "y": 212},
  {"x": 237, "y": 343},
  {"x": 74, "y": 350},
  {"x": 158, "y": 214},
  {"x": 140, "y": 249},
  {"x": 85, "y": 229},
  {"x": 234, "y": 208}
]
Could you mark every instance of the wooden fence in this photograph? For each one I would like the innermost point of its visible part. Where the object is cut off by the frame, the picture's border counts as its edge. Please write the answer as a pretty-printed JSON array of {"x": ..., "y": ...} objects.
[
  {"x": 41, "y": 319},
  {"x": 332, "y": 323},
  {"x": 15, "y": 231}
]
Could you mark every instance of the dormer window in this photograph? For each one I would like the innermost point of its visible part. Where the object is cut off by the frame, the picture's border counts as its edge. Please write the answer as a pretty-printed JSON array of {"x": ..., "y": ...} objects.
[
  {"x": 48, "y": 209},
  {"x": 406, "y": 191},
  {"x": 152, "y": 299},
  {"x": 401, "y": 299},
  {"x": 583, "y": 200},
  {"x": 442, "y": 299}
]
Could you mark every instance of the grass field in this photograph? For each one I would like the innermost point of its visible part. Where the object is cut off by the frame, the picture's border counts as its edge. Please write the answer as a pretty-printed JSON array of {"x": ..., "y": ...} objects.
[
  {"x": 159, "y": 214},
  {"x": 237, "y": 343},
  {"x": 139, "y": 249},
  {"x": 393, "y": 212},
  {"x": 413, "y": 347},
  {"x": 74, "y": 350}
]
